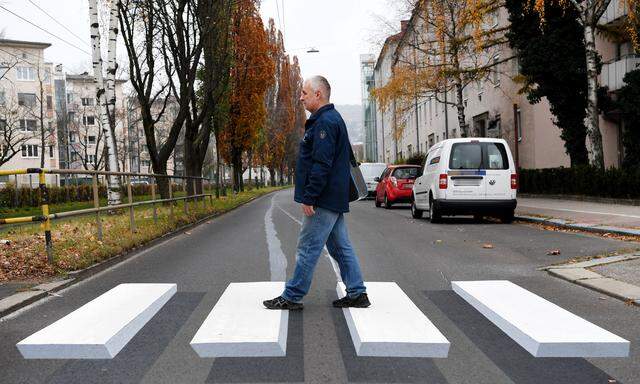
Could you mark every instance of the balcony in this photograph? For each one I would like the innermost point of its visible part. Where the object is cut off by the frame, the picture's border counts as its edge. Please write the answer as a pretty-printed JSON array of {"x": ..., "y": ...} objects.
[
  {"x": 615, "y": 11},
  {"x": 613, "y": 72}
]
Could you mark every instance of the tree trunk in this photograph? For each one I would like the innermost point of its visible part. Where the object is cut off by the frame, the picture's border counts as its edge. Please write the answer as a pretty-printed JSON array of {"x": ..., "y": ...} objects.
[
  {"x": 112, "y": 66},
  {"x": 272, "y": 177},
  {"x": 460, "y": 108},
  {"x": 113, "y": 189},
  {"x": 592, "y": 118}
]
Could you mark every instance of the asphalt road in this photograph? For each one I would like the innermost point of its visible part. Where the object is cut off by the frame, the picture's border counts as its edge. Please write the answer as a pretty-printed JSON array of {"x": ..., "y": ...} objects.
[{"x": 422, "y": 258}]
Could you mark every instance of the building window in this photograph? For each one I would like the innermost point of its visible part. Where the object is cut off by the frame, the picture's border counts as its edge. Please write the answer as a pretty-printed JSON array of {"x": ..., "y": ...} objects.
[
  {"x": 4, "y": 150},
  {"x": 74, "y": 156},
  {"x": 71, "y": 116},
  {"x": 29, "y": 150},
  {"x": 3, "y": 126},
  {"x": 26, "y": 73},
  {"x": 27, "y": 99},
  {"x": 51, "y": 151},
  {"x": 88, "y": 101},
  {"x": 91, "y": 139},
  {"x": 145, "y": 163},
  {"x": 28, "y": 125},
  {"x": 88, "y": 120},
  {"x": 431, "y": 138},
  {"x": 49, "y": 103},
  {"x": 495, "y": 72},
  {"x": 73, "y": 137},
  {"x": 409, "y": 150},
  {"x": 91, "y": 159},
  {"x": 3, "y": 99}
]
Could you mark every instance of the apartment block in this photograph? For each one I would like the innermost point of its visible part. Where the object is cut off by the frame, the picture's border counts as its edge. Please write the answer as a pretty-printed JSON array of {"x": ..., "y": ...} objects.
[
  {"x": 27, "y": 111},
  {"x": 492, "y": 105}
]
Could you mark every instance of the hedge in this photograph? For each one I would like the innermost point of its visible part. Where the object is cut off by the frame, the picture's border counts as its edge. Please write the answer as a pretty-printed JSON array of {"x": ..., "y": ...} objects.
[
  {"x": 618, "y": 183},
  {"x": 27, "y": 197}
]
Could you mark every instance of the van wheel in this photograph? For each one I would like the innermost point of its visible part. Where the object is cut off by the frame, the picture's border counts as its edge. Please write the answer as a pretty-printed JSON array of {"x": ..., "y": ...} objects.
[
  {"x": 378, "y": 204},
  {"x": 507, "y": 217},
  {"x": 415, "y": 212},
  {"x": 387, "y": 204},
  {"x": 434, "y": 214}
]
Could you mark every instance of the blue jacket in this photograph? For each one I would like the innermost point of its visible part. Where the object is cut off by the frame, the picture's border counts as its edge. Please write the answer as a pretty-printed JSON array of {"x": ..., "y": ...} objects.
[{"x": 323, "y": 170}]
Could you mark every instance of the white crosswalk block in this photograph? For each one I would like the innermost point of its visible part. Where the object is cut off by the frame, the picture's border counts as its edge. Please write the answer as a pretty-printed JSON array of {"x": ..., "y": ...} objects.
[
  {"x": 240, "y": 326},
  {"x": 100, "y": 328},
  {"x": 393, "y": 326},
  {"x": 539, "y": 326}
]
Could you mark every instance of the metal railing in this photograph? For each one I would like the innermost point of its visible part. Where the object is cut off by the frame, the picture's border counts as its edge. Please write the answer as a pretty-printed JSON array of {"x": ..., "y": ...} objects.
[{"x": 46, "y": 217}]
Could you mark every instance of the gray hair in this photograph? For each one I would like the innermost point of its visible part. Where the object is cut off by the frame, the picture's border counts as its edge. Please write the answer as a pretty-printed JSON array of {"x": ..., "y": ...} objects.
[{"x": 320, "y": 83}]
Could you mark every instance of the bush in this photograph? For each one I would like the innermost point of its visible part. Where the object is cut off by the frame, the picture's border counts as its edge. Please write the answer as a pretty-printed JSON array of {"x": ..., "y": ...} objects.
[
  {"x": 415, "y": 159},
  {"x": 584, "y": 180}
]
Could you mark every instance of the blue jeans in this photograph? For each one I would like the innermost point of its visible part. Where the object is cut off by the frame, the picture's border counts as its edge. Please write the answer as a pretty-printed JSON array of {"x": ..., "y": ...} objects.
[{"x": 324, "y": 227}]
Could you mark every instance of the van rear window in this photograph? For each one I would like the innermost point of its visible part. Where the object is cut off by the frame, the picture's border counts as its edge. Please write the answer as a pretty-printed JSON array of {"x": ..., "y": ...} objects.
[{"x": 478, "y": 156}]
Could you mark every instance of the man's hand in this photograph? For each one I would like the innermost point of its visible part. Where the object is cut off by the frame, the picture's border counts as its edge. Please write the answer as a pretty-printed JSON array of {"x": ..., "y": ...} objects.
[{"x": 308, "y": 210}]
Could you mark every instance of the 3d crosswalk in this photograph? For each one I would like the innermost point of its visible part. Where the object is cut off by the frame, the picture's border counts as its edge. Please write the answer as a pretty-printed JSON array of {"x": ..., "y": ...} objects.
[
  {"x": 393, "y": 326},
  {"x": 100, "y": 328}
]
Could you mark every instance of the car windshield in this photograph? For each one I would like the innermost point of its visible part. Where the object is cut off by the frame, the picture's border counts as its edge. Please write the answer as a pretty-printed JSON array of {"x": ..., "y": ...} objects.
[
  {"x": 405, "y": 173},
  {"x": 372, "y": 170}
]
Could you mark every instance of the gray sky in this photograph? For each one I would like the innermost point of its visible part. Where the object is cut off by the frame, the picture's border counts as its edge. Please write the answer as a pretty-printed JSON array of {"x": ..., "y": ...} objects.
[{"x": 340, "y": 29}]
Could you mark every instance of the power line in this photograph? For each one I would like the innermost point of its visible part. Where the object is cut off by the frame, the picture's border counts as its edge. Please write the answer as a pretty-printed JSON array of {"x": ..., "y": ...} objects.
[
  {"x": 59, "y": 23},
  {"x": 44, "y": 30},
  {"x": 278, "y": 12}
]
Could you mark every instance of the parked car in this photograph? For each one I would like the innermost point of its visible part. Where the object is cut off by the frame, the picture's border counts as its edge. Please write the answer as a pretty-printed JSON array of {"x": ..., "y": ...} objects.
[
  {"x": 370, "y": 171},
  {"x": 471, "y": 176},
  {"x": 395, "y": 185}
]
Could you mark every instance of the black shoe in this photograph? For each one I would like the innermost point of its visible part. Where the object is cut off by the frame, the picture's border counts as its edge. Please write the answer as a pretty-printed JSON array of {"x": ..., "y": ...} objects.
[
  {"x": 282, "y": 303},
  {"x": 360, "y": 301}
]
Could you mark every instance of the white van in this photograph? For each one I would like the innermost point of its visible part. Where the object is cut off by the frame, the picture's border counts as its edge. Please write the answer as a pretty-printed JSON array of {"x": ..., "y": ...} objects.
[
  {"x": 470, "y": 176},
  {"x": 370, "y": 171}
]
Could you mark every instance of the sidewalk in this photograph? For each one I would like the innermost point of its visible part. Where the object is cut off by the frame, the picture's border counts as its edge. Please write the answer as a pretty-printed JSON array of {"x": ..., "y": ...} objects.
[
  {"x": 617, "y": 276},
  {"x": 613, "y": 215}
]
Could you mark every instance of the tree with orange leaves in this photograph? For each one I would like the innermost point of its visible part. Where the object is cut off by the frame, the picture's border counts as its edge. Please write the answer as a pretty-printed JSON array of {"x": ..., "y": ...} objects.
[
  {"x": 252, "y": 74},
  {"x": 448, "y": 45}
]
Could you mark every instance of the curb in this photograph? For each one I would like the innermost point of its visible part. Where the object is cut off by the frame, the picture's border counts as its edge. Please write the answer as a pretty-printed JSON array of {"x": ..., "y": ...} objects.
[
  {"x": 560, "y": 223},
  {"x": 578, "y": 273},
  {"x": 20, "y": 300}
]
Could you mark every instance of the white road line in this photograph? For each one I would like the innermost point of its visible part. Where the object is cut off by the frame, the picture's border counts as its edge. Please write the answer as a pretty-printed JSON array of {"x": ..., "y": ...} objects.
[
  {"x": 334, "y": 264},
  {"x": 277, "y": 259},
  {"x": 100, "y": 328},
  {"x": 239, "y": 326},
  {"x": 579, "y": 211},
  {"x": 539, "y": 326},
  {"x": 392, "y": 326}
]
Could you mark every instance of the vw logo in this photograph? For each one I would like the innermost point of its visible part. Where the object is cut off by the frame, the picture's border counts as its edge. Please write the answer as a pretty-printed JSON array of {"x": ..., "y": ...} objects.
[{"x": 492, "y": 182}]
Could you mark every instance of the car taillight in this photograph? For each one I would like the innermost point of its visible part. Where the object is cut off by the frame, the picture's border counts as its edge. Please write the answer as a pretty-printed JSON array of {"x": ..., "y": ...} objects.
[
  {"x": 394, "y": 181},
  {"x": 514, "y": 181},
  {"x": 443, "y": 181}
]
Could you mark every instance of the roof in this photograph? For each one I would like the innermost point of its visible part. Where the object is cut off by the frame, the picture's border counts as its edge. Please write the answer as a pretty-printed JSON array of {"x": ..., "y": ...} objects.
[
  {"x": 22, "y": 43},
  {"x": 387, "y": 43}
]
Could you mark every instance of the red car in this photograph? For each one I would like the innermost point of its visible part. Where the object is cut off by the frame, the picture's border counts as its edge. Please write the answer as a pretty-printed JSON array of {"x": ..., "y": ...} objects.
[{"x": 395, "y": 185}]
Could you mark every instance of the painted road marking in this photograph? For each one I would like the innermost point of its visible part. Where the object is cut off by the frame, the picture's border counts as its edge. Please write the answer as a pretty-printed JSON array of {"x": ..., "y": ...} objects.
[
  {"x": 100, "y": 328},
  {"x": 240, "y": 326},
  {"x": 539, "y": 326},
  {"x": 393, "y": 326}
]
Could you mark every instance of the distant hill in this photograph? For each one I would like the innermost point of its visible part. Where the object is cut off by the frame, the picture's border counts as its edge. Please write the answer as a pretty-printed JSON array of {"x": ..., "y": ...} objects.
[{"x": 352, "y": 115}]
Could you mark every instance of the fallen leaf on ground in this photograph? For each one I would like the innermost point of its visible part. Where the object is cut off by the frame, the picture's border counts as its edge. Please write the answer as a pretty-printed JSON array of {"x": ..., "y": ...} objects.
[
  {"x": 629, "y": 302},
  {"x": 187, "y": 233},
  {"x": 487, "y": 246},
  {"x": 553, "y": 252},
  {"x": 602, "y": 298}
]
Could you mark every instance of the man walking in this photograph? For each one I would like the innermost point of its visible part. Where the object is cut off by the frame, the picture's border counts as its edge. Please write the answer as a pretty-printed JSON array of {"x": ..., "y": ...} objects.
[{"x": 322, "y": 187}]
